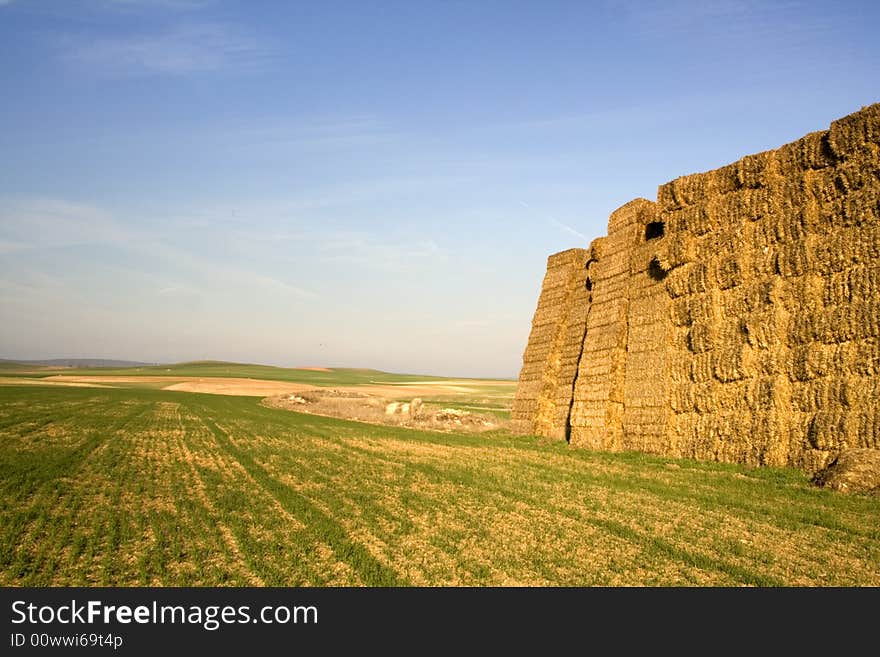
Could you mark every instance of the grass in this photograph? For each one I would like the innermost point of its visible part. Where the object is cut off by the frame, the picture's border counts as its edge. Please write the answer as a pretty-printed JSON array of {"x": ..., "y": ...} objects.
[
  {"x": 151, "y": 487},
  {"x": 333, "y": 377}
]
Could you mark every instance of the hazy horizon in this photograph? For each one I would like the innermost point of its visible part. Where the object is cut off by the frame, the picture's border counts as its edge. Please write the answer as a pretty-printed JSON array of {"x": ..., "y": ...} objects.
[{"x": 371, "y": 185}]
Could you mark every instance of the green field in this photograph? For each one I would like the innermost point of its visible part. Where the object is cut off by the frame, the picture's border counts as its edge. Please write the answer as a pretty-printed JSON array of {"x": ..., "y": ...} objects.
[
  {"x": 151, "y": 487},
  {"x": 335, "y": 377}
]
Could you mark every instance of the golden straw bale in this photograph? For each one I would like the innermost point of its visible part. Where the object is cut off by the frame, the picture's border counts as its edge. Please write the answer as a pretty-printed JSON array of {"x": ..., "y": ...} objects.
[
  {"x": 758, "y": 393},
  {"x": 849, "y": 135},
  {"x": 700, "y": 338},
  {"x": 679, "y": 249},
  {"x": 809, "y": 361},
  {"x": 682, "y": 397},
  {"x": 793, "y": 259},
  {"x": 733, "y": 362},
  {"x": 692, "y": 219},
  {"x": 861, "y": 358},
  {"x": 702, "y": 367},
  {"x": 835, "y": 429},
  {"x": 807, "y": 325},
  {"x": 762, "y": 329},
  {"x": 752, "y": 171},
  {"x": 810, "y": 152},
  {"x": 861, "y": 207},
  {"x": 730, "y": 271},
  {"x": 690, "y": 309}
]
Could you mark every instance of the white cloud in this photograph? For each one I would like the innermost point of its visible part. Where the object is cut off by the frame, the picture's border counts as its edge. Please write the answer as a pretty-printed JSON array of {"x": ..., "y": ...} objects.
[
  {"x": 375, "y": 252},
  {"x": 40, "y": 224},
  {"x": 176, "y": 5},
  {"x": 52, "y": 223},
  {"x": 181, "y": 50}
]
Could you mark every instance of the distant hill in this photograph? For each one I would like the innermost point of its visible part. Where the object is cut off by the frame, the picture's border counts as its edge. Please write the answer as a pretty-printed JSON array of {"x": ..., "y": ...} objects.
[
  {"x": 74, "y": 362},
  {"x": 320, "y": 376}
]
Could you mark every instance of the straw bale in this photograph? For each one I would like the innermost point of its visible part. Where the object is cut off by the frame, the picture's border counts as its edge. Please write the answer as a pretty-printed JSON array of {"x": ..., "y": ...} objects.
[
  {"x": 649, "y": 307},
  {"x": 737, "y": 433},
  {"x": 792, "y": 259},
  {"x": 813, "y": 460},
  {"x": 647, "y": 419},
  {"x": 849, "y": 135},
  {"x": 690, "y": 278},
  {"x": 678, "y": 367},
  {"x": 733, "y": 362},
  {"x": 752, "y": 170},
  {"x": 720, "y": 181},
  {"x": 680, "y": 248},
  {"x": 757, "y": 204},
  {"x": 784, "y": 226},
  {"x": 859, "y": 358},
  {"x": 641, "y": 393},
  {"x": 846, "y": 247},
  {"x": 834, "y": 430},
  {"x": 810, "y": 152},
  {"x": 810, "y": 361},
  {"x": 748, "y": 298},
  {"x": 851, "y": 471},
  {"x": 853, "y": 176},
  {"x": 730, "y": 271},
  {"x": 700, "y": 337},
  {"x": 704, "y": 397},
  {"x": 730, "y": 332},
  {"x": 682, "y": 397},
  {"x": 688, "y": 310},
  {"x": 804, "y": 293},
  {"x": 692, "y": 219},
  {"x": 807, "y": 326},
  {"x": 861, "y": 207},
  {"x": 810, "y": 396},
  {"x": 759, "y": 393},
  {"x": 760, "y": 329},
  {"x": 769, "y": 443},
  {"x": 765, "y": 261},
  {"x": 842, "y": 323},
  {"x": 702, "y": 367}
]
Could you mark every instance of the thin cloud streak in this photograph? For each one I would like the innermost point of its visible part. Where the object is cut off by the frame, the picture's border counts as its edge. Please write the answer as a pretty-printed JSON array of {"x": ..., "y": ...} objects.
[
  {"x": 570, "y": 230},
  {"x": 40, "y": 224},
  {"x": 181, "y": 50},
  {"x": 558, "y": 224},
  {"x": 151, "y": 5}
]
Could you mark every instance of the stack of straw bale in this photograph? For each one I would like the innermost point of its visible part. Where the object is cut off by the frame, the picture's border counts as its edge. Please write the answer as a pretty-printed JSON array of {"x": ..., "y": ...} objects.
[
  {"x": 774, "y": 313},
  {"x": 748, "y": 332},
  {"x": 597, "y": 417},
  {"x": 543, "y": 394}
]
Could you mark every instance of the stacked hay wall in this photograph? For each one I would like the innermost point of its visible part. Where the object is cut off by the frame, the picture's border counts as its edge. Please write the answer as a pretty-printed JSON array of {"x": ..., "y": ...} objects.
[
  {"x": 773, "y": 271},
  {"x": 737, "y": 319},
  {"x": 647, "y": 411},
  {"x": 544, "y": 392},
  {"x": 599, "y": 413}
]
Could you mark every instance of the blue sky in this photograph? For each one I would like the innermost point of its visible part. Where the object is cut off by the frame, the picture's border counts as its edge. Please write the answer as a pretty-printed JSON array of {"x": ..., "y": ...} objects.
[{"x": 366, "y": 184}]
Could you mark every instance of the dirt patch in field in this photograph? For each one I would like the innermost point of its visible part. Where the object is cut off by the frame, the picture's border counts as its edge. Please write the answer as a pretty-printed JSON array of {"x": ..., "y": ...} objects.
[
  {"x": 373, "y": 407},
  {"x": 238, "y": 387}
]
